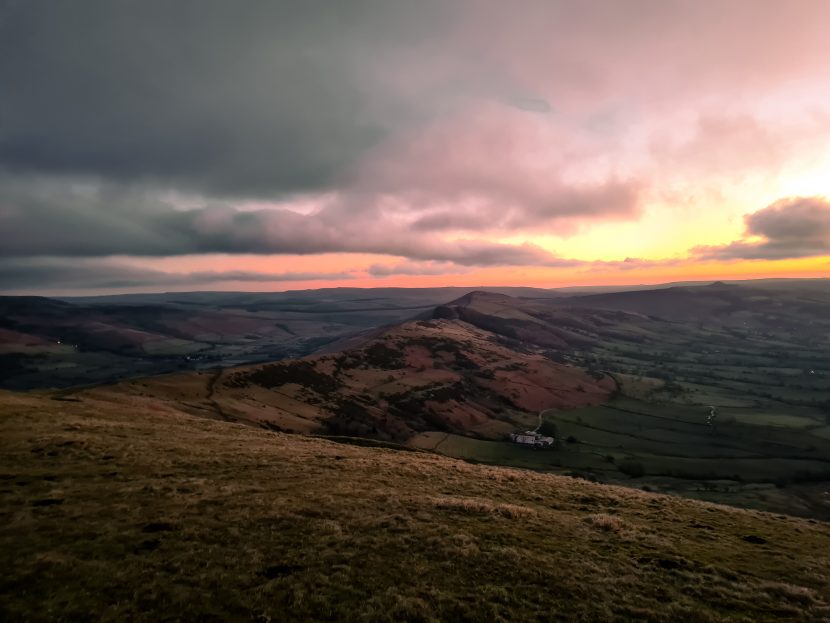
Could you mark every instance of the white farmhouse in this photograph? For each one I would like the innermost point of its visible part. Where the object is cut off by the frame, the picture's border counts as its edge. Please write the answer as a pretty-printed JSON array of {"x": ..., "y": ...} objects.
[{"x": 531, "y": 438}]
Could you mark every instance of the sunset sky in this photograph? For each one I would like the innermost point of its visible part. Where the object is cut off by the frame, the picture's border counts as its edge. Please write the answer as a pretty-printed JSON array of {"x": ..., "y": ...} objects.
[{"x": 203, "y": 145}]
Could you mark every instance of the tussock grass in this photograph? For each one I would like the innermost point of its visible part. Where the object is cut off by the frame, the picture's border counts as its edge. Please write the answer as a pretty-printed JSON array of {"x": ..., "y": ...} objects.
[
  {"x": 606, "y": 522},
  {"x": 482, "y": 506},
  {"x": 163, "y": 516}
]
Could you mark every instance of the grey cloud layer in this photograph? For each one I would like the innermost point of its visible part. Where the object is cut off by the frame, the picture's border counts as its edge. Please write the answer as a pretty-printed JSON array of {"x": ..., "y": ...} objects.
[
  {"x": 32, "y": 274},
  {"x": 415, "y": 268},
  {"x": 88, "y": 220},
  {"x": 789, "y": 228}
]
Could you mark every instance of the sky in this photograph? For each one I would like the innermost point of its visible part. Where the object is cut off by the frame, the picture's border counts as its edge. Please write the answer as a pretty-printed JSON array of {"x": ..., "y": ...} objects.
[{"x": 164, "y": 145}]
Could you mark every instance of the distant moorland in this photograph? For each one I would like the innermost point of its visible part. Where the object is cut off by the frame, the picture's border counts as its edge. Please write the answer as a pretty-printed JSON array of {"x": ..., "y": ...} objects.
[{"x": 719, "y": 392}]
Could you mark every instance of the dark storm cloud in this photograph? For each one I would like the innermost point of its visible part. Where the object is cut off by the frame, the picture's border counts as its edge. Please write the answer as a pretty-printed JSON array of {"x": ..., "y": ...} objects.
[
  {"x": 268, "y": 98},
  {"x": 93, "y": 220},
  {"x": 33, "y": 274},
  {"x": 790, "y": 228},
  {"x": 248, "y": 97},
  {"x": 107, "y": 106}
]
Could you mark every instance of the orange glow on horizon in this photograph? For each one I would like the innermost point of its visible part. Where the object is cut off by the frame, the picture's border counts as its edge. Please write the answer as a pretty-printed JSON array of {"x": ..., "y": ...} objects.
[{"x": 540, "y": 277}]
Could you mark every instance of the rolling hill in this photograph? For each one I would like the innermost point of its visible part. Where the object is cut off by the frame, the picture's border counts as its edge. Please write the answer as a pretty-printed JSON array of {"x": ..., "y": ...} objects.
[
  {"x": 63, "y": 342},
  {"x": 423, "y": 375},
  {"x": 123, "y": 512},
  {"x": 771, "y": 306}
]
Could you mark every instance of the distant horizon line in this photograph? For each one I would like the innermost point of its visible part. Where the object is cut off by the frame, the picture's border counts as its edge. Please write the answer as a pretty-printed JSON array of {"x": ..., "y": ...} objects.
[{"x": 692, "y": 282}]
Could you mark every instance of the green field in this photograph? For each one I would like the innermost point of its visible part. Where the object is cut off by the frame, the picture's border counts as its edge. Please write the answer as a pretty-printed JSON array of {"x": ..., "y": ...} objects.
[{"x": 670, "y": 447}]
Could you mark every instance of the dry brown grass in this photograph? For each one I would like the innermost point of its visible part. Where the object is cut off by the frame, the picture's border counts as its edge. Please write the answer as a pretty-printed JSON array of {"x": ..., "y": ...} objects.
[
  {"x": 482, "y": 506},
  {"x": 119, "y": 514},
  {"x": 606, "y": 522}
]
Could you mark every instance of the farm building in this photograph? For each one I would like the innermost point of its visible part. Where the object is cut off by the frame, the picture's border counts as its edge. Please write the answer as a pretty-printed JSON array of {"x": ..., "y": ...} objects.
[{"x": 531, "y": 438}]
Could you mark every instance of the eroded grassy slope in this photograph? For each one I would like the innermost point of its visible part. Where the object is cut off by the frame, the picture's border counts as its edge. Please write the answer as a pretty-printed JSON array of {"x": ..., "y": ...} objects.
[{"x": 124, "y": 515}]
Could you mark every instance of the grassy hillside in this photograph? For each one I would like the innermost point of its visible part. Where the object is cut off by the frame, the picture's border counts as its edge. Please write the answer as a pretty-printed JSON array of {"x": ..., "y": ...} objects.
[{"x": 136, "y": 514}]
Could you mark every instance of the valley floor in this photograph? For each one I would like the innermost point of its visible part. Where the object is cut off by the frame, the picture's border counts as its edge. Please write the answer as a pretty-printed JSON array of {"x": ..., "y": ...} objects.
[{"x": 114, "y": 514}]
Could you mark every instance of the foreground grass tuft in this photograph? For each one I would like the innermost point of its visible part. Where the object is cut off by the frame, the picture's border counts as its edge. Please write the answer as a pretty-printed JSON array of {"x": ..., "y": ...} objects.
[
  {"x": 604, "y": 521},
  {"x": 483, "y": 507}
]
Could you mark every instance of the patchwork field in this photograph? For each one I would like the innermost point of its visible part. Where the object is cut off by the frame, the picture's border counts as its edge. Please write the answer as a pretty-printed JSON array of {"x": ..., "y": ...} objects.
[{"x": 747, "y": 461}]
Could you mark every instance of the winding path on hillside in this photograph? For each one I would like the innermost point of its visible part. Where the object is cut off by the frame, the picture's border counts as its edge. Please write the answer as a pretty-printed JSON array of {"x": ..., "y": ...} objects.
[{"x": 211, "y": 392}]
